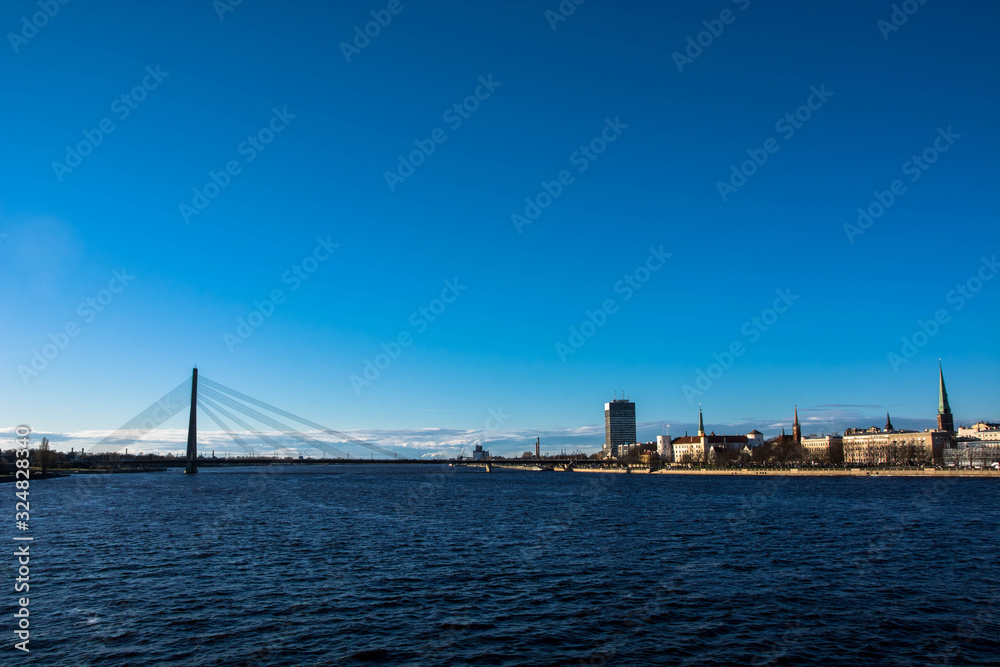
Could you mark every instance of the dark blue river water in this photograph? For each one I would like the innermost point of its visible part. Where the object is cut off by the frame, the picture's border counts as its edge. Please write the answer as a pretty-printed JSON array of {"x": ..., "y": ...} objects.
[{"x": 437, "y": 566}]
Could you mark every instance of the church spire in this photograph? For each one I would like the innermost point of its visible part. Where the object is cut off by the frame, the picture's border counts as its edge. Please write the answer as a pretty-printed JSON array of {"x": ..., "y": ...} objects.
[
  {"x": 943, "y": 407},
  {"x": 946, "y": 422},
  {"x": 796, "y": 427},
  {"x": 888, "y": 424},
  {"x": 701, "y": 423}
]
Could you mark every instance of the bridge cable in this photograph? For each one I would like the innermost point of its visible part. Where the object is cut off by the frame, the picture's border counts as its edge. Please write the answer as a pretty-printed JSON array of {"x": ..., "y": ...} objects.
[
  {"x": 289, "y": 415},
  {"x": 274, "y": 423},
  {"x": 239, "y": 422},
  {"x": 236, "y": 438},
  {"x": 169, "y": 405}
]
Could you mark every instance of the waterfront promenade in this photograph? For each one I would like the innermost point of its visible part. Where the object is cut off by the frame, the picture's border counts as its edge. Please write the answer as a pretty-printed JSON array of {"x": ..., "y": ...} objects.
[{"x": 792, "y": 472}]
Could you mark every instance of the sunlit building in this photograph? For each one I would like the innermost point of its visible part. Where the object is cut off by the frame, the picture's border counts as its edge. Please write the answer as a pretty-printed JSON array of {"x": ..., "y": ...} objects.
[
  {"x": 823, "y": 449},
  {"x": 619, "y": 426},
  {"x": 873, "y": 446},
  {"x": 708, "y": 448}
]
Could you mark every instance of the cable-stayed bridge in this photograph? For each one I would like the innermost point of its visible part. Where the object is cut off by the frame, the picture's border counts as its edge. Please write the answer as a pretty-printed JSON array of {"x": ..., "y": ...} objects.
[{"x": 227, "y": 407}]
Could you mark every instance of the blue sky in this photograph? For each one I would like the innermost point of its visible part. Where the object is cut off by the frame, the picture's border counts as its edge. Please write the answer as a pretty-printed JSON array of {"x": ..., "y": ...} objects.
[{"x": 316, "y": 196}]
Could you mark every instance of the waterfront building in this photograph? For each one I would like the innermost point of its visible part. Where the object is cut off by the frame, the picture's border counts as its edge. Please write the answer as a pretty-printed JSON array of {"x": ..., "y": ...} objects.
[
  {"x": 980, "y": 431},
  {"x": 651, "y": 459},
  {"x": 969, "y": 452},
  {"x": 873, "y": 446},
  {"x": 619, "y": 426},
  {"x": 976, "y": 446},
  {"x": 663, "y": 448},
  {"x": 823, "y": 449},
  {"x": 480, "y": 454},
  {"x": 688, "y": 449},
  {"x": 635, "y": 449},
  {"x": 708, "y": 448}
]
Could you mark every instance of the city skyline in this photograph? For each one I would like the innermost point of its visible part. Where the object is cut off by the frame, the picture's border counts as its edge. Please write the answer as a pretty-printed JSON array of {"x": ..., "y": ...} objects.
[
  {"x": 235, "y": 212},
  {"x": 504, "y": 441},
  {"x": 624, "y": 332}
]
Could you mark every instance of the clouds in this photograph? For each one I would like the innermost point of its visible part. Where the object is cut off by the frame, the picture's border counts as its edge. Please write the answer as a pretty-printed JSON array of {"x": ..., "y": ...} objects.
[
  {"x": 409, "y": 443},
  {"x": 450, "y": 443}
]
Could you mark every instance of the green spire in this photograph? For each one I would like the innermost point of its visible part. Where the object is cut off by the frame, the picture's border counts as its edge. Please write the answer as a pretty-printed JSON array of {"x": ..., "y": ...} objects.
[
  {"x": 701, "y": 423},
  {"x": 943, "y": 407}
]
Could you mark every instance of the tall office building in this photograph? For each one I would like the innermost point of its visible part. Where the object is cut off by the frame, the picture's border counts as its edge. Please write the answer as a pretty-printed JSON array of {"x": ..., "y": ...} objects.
[{"x": 619, "y": 425}]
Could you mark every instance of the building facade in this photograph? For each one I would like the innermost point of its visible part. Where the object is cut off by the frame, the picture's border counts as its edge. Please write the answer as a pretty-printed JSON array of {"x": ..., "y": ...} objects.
[
  {"x": 688, "y": 449},
  {"x": 976, "y": 446},
  {"x": 663, "y": 448},
  {"x": 709, "y": 448},
  {"x": 826, "y": 449},
  {"x": 619, "y": 425},
  {"x": 968, "y": 452},
  {"x": 873, "y": 446},
  {"x": 980, "y": 431}
]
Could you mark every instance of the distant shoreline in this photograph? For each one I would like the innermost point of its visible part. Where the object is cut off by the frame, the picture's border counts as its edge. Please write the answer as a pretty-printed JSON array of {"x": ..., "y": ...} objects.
[
  {"x": 508, "y": 466},
  {"x": 786, "y": 472}
]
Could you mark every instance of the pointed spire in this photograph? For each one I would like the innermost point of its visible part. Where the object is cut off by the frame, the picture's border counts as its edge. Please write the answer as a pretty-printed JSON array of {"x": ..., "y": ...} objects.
[
  {"x": 796, "y": 415},
  {"x": 888, "y": 423},
  {"x": 945, "y": 420},
  {"x": 701, "y": 423},
  {"x": 943, "y": 407}
]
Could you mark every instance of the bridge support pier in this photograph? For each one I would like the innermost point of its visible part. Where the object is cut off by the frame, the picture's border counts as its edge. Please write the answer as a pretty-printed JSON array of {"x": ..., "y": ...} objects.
[{"x": 192, "y": 445}]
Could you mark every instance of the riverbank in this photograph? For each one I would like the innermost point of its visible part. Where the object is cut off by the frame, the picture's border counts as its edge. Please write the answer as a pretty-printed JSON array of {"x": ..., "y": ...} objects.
[
  {"x": 827, "y": 472},
  {"x": 34, "y": 476},
  {"x": 785, "y": 472}
]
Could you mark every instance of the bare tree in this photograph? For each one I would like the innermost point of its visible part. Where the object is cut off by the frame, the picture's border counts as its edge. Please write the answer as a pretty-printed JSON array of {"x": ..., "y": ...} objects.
[{"x": 43, "y": 455}]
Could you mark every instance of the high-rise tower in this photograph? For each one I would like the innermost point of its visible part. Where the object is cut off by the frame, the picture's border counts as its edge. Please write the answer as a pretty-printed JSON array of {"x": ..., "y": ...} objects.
[
  {"x": 945, "y": 420},
  {"x": 619, "y": 425}
]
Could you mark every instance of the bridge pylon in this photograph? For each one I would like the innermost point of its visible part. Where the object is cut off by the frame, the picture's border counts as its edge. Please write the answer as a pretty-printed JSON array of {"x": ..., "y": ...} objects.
[{"x": 192, "y": 446}]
